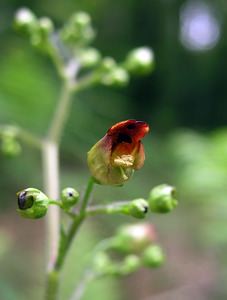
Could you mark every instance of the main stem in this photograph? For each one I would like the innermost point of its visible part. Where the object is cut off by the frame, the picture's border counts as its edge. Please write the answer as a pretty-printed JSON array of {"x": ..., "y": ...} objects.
[{"x": 51, "y": 184}]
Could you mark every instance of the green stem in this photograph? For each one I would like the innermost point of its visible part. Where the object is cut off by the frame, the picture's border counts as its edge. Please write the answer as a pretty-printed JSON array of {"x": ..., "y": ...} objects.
[
  {"x": 24, "y": 135},
  {"x": 52, "y": 285},
  {"x": 61, "y": 114},
  {"x": 113, "y": 208},
  {"x": 64, "y": 247}
]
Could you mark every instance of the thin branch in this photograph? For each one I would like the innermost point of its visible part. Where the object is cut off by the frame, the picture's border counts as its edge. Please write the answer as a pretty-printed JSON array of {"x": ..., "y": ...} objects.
[
  {"x": 23, "y": 134},
  {"x": 113, "y": 208}
]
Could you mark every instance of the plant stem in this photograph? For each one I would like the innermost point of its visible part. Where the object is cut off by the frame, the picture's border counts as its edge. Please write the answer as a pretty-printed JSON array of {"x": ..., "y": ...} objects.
[
  {"x": 23, "y": 134},
  {"x": 51, "y": 187},
  {"x": 74, "y": 226},
  {"x": 87, "y": 278},
  {"x": 65, "y": 242},
  {"x": 113, "y": 208},
  {"x": 61, "y": 113}
]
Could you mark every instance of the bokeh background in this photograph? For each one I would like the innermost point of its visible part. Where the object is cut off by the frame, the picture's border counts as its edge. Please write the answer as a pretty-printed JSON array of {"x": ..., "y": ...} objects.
[{"x": 184, "y": 101}]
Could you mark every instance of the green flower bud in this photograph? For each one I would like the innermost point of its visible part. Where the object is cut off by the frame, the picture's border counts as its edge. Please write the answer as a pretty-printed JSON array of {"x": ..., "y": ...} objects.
[
  {"x": 130, "y": 264},
  {"x": 153, "y": 256},
  {"x": 162, "y": 199},
  {"x": 116, "y": 77},
  {"x": 32, "y": 203},
  {"x": 69, "y": 197},
  {"x": 25, "y": 20},
  {"x": 10, "y": 147},
  {"x": 78, "y": 29},
  {"x": 101, "y": 262},
  {"x": 81, "y": 19},
  {"x": 46, "y": 26},
  {"x": 134, "y": 238},
  {"x": 137, "y": 208},
  {"x": 89, "y": 57},
  {"x": 140, "y": 60},
  {"x": 108, "y": 64}
]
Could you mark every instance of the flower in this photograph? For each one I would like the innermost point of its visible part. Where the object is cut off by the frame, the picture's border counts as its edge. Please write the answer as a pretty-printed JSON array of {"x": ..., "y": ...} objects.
[{"x": 113, "y": 159}]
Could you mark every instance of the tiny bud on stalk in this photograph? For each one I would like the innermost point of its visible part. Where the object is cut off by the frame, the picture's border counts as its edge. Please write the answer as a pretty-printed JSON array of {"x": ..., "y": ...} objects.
[
  {"x": 134, "y": 238},
  {"x": 162, "y": 199},
  {"x": 130, "y": 264},
  {"x": 25, "y": 20},
  {"x": 153, "y": 256},
  {"x": 78, "y": 30},
  {"x": 116, "y": 77},
  {"x": 32, "y": 203},
  {"x": 46, "y": 26},
  {"x": 89, "y": 57},
  {"x": 137, "y": 208},
  {"x": 140, "y": 61},
  {"x": 69, "y": 197}
]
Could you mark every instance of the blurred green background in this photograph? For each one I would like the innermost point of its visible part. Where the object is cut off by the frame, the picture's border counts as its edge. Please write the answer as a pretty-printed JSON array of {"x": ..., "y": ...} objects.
[{"x": 183, "y": 100}]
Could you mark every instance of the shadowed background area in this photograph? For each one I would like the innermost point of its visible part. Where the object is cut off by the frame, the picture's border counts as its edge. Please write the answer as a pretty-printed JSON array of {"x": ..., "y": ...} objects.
[{"x": 183, "y": 100}]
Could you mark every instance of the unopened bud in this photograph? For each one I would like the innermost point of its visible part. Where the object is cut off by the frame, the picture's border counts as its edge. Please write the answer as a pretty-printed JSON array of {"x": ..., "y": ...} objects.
[
  {"x": 134, "y": 238},
  {"x": 153, "y": 256},
  {"x": 116, "y": 77},
  {"x": 162, "y": 199},
  {"x": 137, "y": 208},
  {"x": 32, "y": 203},
  {"x": 78, "y": 30},
  {"x": 10, "y": 147},
  {"x": 101, "y": 262},
  {"x": 130, "y": 264},
  {"x": 89, "y": 57},
  {"x": 140, "y": 60},
  {"x": 46, "y": 26},
  {"x": 69, "y": 197},
  {"x": 25, "y": 20}
]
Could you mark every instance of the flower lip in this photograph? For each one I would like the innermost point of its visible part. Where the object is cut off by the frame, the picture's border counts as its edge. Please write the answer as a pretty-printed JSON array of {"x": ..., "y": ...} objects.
[{"x": 133, "y": 128}]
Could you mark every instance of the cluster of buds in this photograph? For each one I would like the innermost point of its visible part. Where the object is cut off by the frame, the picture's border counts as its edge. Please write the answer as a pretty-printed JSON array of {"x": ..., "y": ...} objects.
[
  {"x": 9, "y": 143},
  {"x": 70, "y": 45},
  {"x": 39, "y": 30},
  {"x": 137, "y": 243},
  {"x": 78, "y": 30}
]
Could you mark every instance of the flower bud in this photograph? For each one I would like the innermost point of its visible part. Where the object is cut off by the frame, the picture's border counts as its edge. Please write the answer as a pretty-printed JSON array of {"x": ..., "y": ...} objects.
[
  {"x": 162, "y": 199},
  {"x": 10, "y": 147},
  {"x": 89, "y": 57},
  {"x": 130, "y": 264},
  {"x": 113, "y": 159},
  {"x": 116, "y": 77},
  {"x": 134, "y": 238},
  {"x": 32, "y": 203},
  {"x": 101, "y": 262},
  {"x": 108, "y": 64},
  {"x": 46, "y": 26},
  {"x": 136, "y": 208},
  {"x": 69, "y": 197},
  {"x": 140, "y": 60},
  {"x": 153, "y": 256},
  {"x": 78, "y": 29},
  {"x": 25, "y": 20}
]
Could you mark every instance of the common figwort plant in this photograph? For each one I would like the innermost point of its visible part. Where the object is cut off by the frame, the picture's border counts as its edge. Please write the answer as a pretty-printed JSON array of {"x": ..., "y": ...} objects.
[{"x": 112, "y": 160}]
